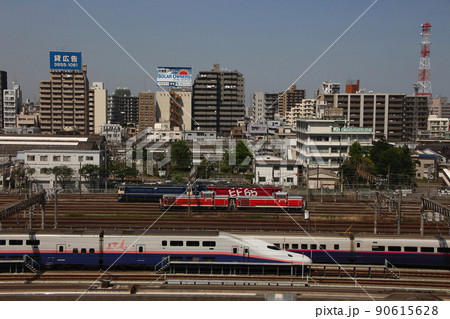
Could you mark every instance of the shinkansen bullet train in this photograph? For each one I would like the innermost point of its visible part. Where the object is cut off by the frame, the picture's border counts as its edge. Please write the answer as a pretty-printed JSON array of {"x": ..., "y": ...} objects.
[
  {"x": 403, "y": 251},
  {"x": 128, "y": 248}
]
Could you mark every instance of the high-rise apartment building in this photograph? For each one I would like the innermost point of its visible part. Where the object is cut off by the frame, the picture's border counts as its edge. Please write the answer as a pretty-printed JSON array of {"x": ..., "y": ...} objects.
[
  {"x": 440, "y": 106},
  {"x": 147, "y": 111},
  {"x": 264, "y": 106},
  {"x": 286, "y": 100},
  {"x": 390, "y": 115},
  {"x": 123, "y": 108},
  {"x": 218, "y": 100},
  {"x": 97, "y": 107},
  {"x": 175, "y": 108},
  {"x": 12, "y": 101},
  {"x": 64, "y": 101},
  {"x": 3, "y": 86}
]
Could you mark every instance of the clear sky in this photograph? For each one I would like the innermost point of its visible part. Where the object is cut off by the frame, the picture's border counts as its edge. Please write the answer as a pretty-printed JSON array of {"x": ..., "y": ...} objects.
[{"x": 270, "y": 42}]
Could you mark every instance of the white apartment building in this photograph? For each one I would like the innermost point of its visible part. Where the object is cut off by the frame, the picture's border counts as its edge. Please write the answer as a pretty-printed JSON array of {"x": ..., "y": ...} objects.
[
  {"x": 272, "y": 170},
  {"x": 12, "y": 100},
  {"x": 325, "y": 143},
  {"x": 100, "y": 98},
  {"x": 42, "y": 159},
  {"x": 112, "y": 132},
  {"x": 437, "y": 126}
]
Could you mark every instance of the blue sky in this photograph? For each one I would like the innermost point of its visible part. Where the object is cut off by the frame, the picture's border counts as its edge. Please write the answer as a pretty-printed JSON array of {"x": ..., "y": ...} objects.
[{"x": 270, "y": 42}]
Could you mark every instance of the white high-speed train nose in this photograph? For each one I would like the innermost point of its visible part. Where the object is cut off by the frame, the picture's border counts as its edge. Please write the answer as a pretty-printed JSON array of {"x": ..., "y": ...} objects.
[{"x": 298, "y": 258}]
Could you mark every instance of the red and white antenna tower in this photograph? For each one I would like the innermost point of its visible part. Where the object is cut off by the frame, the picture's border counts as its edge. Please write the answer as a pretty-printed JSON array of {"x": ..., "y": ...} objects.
[{"x": 424, "y": 77}]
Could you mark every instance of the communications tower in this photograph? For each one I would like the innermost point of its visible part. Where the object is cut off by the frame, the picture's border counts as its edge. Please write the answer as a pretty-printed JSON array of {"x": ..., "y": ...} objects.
[{"x": 424, "y": 77}]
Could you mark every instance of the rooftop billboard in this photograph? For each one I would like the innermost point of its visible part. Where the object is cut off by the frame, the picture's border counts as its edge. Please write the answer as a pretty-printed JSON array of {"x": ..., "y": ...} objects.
[
  {"x": 65, "y": 60},
  {"x": 174, "y": 77}
]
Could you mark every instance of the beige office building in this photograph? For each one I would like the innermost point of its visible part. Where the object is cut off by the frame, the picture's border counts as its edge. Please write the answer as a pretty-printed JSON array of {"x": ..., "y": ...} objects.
[{"x": 64, "y": 101}]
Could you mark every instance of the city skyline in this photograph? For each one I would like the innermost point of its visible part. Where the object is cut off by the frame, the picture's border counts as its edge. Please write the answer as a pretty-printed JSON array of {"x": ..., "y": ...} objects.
[{"x": 271, "y": 44}]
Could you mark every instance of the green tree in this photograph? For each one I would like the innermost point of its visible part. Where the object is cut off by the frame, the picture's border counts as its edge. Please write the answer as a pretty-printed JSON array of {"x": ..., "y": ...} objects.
[
  {"x": 93, "y": 174},
  {"x": 357, "y": 158},
  {"x": 121, "y": 171},
  {"x": 20, "y": 175},
  {"x": 63, "y": 174},
  {"x": 180, "y": 155},
  {"x": 204, "y": 169},
  {"x": 244, "y": 156}
]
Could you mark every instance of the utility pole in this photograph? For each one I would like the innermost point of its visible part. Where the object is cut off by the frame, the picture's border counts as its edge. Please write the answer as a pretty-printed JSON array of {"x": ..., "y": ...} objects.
[{"x": 399, "y": 212}]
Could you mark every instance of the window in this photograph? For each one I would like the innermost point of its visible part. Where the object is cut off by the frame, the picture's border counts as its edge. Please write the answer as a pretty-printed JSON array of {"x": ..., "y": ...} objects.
[
  {"x": 91, "y": 250},
  {"x": 313, "y": 246},
  {"x": 273, "y": 247},
  {"x": 285, "y": 246},
  {"x": 2, "y": 242},
  {"x": 164, "y": 243},
  {"x": 192, "y": 259},
  {"x": 410, "y": 248},
  {"x": 176, "y": 243},
  {"x": 378, "y": 248},
  {"x": 235, "y": 250},
  {"x": 276, "y": 179},
  {"x": 32, "y": 242},
  {"x": 358, "y": 245},
  {"x": 66, "y": 158},
  {"x": 209, "y": 244},
  {"x": 277, "y": 245},
  {"x": 83, "y": 250},
  {"x": 61, "y": 249},
  {"x": 290, "y": 179},
  {"x": 15, "y": 242},
  {"x": 140, "y": 249},
  {"x": 394, "y": 248},
  {"x": 56, "y": 158},
  {"x": 427, "y": 249},
  {"x": 443, "y": 250},
  {"x": 75, "y": 250},
  {"x": 43, "y": 158},
  {"x": 210, "y": 259},
  {"x": 31, "y": 158},
  {"x": 290, "y": 168},
  {"x": 89, "y": 158},
  {"x": 304, "y": 246},
  {"x": 192, "y": 243},
  {"x": 80, "y": 158},
  {"x": 294, "y": 246},
  {"x": 262, "y": 178},
  {"x": 322, "y": 246},
  {"x": 336, "y": 246}
]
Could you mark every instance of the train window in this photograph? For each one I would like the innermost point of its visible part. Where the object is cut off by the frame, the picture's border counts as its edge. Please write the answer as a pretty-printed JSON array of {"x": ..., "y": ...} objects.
[
  {"x": 176, "y": 258},
  {"x": 285, "y": 246},
  {"x": 33, "y": 242},
  {"x": 235, "y": 250},
  {"x": 2, "y": 242},
  {"x": 61, "y": 249},
  {"x": 164, "y": 243},
  {"x": 394, "y": 248},
  {"x": 210, "y": 259},
  {"x": 192, "y": 259},
  {"x": 176, "y": 243},
  {"x": 91, "y": 250},
  {"x": 75, "y": 250},
  {"x": 336, "y": 247},
  {"x": 410, "y": 248},
  {"x": 209, "y": 244},
  {"x": 323, "y": 247},
  {"x": 378, "y": 248},
  {"x": 358, "y": 245},
  {"x": 443, "y": 250},
  {"x": 245, "y": 250},
  {"x": 141, "y": 249},
  {"x": 294, "y": 246},
  {"x": 191, "y": 243},
  {"x": 15, "y": 242},
  {"x": 427, "y": 249},
  {"x": 304, "y": 246},
  {"x": 83, "y": 250},
  {"x": 313, "y": 246},
  {"x": 277, "y": 245}
]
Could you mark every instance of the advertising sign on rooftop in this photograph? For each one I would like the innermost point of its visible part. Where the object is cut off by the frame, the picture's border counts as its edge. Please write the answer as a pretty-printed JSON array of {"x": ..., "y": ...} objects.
[
  {"x": 65, "y": 60},
  {"x": 174, "y": 77}
]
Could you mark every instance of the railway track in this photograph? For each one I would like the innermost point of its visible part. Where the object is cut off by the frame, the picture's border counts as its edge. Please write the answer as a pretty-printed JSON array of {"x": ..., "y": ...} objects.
[{"x": 103, "y": 211}]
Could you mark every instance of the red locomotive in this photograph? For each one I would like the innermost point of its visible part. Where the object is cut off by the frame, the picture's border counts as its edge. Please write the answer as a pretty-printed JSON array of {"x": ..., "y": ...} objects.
[
  {"x": 209, "y": 200},
  {"x": 235, "y": 191}
]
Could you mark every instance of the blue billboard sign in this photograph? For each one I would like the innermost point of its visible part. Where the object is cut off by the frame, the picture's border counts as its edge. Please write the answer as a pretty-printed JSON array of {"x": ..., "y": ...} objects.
[{"x": 65, "y": 60}]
